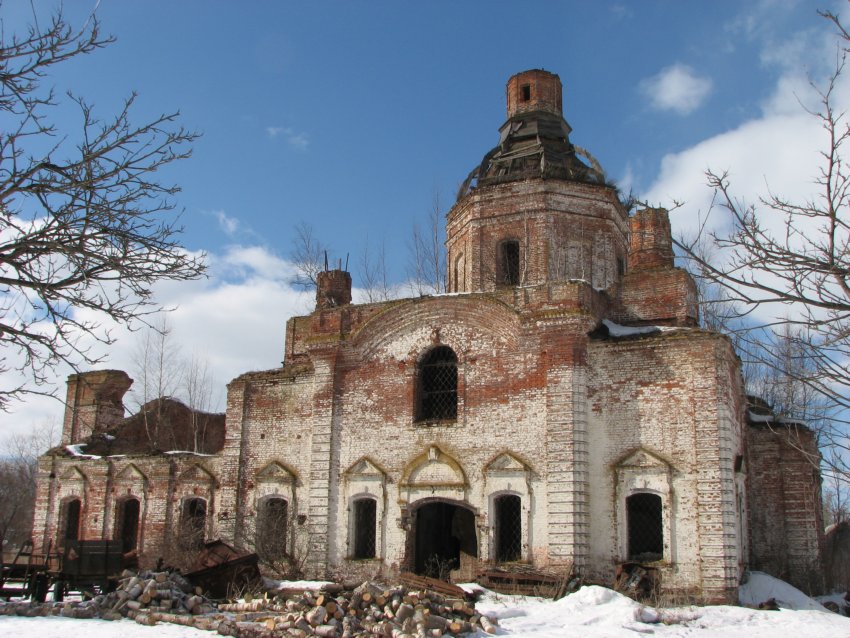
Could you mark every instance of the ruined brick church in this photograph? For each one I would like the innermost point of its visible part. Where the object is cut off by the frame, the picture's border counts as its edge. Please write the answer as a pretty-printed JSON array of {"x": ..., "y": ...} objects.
[{"x": 559, "y": 407}]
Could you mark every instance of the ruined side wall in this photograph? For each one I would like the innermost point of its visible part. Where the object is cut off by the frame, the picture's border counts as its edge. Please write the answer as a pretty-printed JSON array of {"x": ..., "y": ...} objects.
[
  {"x": 659, "y": 423},
  {"x": 160, "y": 483},
  {"x": 267, "y": 452},
  {"x": 786, "y": 519}
]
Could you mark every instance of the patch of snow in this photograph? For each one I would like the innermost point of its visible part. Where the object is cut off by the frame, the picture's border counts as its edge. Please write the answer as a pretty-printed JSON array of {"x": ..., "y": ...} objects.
[
  {"x": 616, "y": 330},
  {"x": 187, "y": 452},
  {"x": 108, "y": 437},
  {"x": 53, "y": 627},
  {"x": 313, "y": 585},
  {"x": 759, "y": 418},
  {"x": 77, "y": 450},
  {"x": 761, "y": 587}
]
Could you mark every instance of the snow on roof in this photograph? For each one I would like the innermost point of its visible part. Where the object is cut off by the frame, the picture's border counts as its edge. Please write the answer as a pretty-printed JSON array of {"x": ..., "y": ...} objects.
[
  {"x": 759, "y": 418},
  {"x": 77, "y": 450},
  {"x": 187, "y": 452},
  {"x": 616, "y": 330}
]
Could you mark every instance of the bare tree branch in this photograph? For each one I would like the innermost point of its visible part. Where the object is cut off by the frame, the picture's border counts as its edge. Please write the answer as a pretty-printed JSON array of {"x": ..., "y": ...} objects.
[
  {"x": 85, "y": 222},
  {"x": 797, "y": 273}
]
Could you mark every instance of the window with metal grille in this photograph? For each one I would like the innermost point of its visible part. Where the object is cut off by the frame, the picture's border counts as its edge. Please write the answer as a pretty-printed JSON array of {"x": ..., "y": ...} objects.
[
  {"x": 272, "y": 522},
  {"x": 127, "y": 524},
  {"x": 646, "y": 531},
  {"x": 72, "y": 520},
  {"x": 508, "y": 528},
  {"x": 509, "y": 263},
  {"x": 437, "y": 385},
  {"x": 193, "y": 522},
  {"x": 365, "y": 510}
]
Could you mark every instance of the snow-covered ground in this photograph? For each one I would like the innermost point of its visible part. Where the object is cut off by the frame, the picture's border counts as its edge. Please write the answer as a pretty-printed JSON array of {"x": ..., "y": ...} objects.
[{"x": 591, "y": 612}]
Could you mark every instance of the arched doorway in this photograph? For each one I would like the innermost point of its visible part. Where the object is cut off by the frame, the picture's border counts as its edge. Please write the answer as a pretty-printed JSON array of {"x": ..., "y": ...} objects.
[{"x": 443, "y": 532}]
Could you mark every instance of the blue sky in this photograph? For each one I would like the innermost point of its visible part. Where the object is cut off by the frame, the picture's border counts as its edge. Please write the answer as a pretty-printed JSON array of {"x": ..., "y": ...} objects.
[{"x": 353, "y": 115}]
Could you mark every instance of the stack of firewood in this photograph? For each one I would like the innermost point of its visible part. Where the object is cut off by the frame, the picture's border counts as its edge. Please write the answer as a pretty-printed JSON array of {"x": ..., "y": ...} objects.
[
  {"x": 368, "y": 610},
  {"x": 147, "y": 592},
  {"x": 414, "y": 610}
]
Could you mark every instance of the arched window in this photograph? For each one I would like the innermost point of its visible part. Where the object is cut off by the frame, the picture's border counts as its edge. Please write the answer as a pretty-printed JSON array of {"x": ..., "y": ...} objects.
[
  {"x": 365, "y": 510},
  {"x": 508, "y": 519},
  {"x": 509, "y": 263},
  {"x": 436, "y": 396},
  {"x": 646, "y": 530},
  {"x": 127, "y": 524},
  {"x": 71, "y": 520},
  {"x": 193, "y": 522},
  {"x": 272, "y": 523}
]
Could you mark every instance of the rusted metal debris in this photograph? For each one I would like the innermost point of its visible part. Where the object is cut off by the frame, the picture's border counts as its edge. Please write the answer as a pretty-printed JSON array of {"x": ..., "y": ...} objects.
[
  {"x": 440, "y": 586},
  {"x": 636, "y": 580},
  {"x": 221, "y": 570},
  {"x": 523, "y": 579}
]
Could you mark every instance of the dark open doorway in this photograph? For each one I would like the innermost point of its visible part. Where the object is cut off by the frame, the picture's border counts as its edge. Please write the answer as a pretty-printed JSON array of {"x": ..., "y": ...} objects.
[
  {"x": 646, "y": 531},
  {"x": 127, "y": 524},
  {"x": 508, "y": 528},
  {"x": 442, "y": 532}
]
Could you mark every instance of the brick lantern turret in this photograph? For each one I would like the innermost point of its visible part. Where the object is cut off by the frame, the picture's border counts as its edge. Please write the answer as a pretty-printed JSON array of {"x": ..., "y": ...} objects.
[
  {"x": 333, "y": 289},
  {"x": 650, "y": 241},
  {"x": 534, "y": 90}
]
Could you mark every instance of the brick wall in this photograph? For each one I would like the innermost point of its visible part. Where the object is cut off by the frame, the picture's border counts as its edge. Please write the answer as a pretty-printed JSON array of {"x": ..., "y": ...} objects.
[{"x": 786, "y": 516}]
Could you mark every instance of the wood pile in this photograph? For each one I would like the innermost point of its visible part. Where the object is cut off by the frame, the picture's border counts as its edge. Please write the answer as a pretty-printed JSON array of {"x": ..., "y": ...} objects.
[
  {"x": 369, "y": 610},
  {"x": 147, "y": 592},
  {"x": 366, "y": 611}
]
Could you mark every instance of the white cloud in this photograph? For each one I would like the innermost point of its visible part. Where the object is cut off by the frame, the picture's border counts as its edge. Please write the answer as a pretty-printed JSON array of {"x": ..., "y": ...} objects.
[
  {"x": 228, "y": 224},
  {"x": 776, "y": 153},
  {"x": 676, "y": 88},
  {"x": 296, "y": 139},
  {"x": 236, "y": 319}
]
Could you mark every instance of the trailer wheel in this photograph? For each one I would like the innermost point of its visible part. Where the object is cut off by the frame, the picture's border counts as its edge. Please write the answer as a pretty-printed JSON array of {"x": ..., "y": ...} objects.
[
  {"x": 59, "y": 591},
  {"x": 40, "y": 585}
]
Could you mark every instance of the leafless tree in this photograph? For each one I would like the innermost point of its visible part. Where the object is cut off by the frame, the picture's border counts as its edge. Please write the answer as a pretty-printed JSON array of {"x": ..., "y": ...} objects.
[
  {"x": 157, "y": 374},
  {"x": 427, "y": 262},
  {"x": 160, "y": 371},
  {"x": 308, "y": 256},
  {"x": 372, "y": 269},
  {"x": 17, "y": 483},
  {"x": 197, "y": 387},
  {"x": 800, "y": 270},
  {"x": 85, "y": 222}
]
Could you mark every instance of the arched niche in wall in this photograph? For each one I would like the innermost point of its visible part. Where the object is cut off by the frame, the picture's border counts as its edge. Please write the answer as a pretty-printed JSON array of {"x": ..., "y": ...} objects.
[
  {"x": 129, "y": 483},
  {"x": 508, "y": 478},
  {"x": 644, "y": 507},
  {"x": 196, "y": 481},
  {"x": 71, "y": 493},
  {"x": 433, "y": 474},
  {"x": 365, "y": 481},
  {"x": 276, "y": 479}
]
